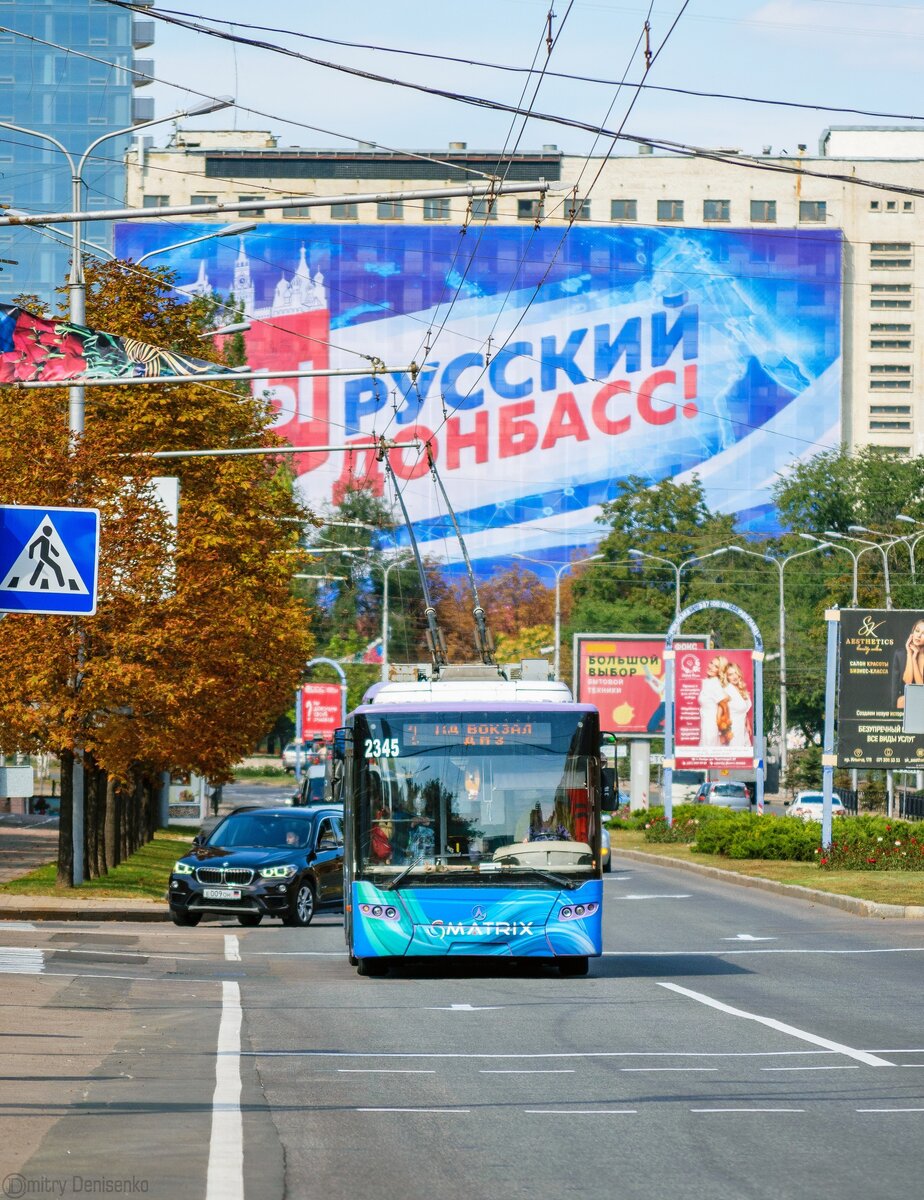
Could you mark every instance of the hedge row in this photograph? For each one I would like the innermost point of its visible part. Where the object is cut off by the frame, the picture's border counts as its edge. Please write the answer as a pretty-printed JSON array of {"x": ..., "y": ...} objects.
[{"x": 867, "y": 842}]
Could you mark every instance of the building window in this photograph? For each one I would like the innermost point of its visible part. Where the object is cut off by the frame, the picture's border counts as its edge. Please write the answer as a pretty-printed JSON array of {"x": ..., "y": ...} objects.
[
  {"x": 579, "y": 209},
  {"x": 484, "y": 209},
  {"x": 907, "y": 206},
  {"x": 149, "y": 201},
  {"x": 890, "y": 385},
  {"x": 623, "y": 210},
  {"x": 529, "y": 210},
  {"x": 763, "y": 210},
  {"x": 390, "y": 210},
  {"x": 436, "y": 210},
  {"x": 203, "y": 199},
  {"x": 902, "y": 410},
  {"x": 891, "y": 206},
  {"x": 896, "y": 426},
  {"x": 252, "y": 212},
  {"x": 670, "y": 210},
  {"x": 813, "y": 210},
  {"x": 300, "y": 212},
  {"x": 716, "y": 210},
  {"x": 890, "y": 369},
  {"x": 890, "y": 289},
  {"x": 891, "y": 449},
  {"x": 890, "y": 247},
  {"x": 878, "y": 302},
  {"x": 884, "y": 264},
  {"x": 875, "y": 206},
  {"x": 890, "y": 327},
  {"x": 344, "y": 212},
  {"x": 890, "y": 343}
]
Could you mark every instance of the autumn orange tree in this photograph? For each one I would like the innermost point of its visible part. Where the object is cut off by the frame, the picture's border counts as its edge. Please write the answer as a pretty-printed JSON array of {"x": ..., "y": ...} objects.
[{"x": 198, "y": 641}]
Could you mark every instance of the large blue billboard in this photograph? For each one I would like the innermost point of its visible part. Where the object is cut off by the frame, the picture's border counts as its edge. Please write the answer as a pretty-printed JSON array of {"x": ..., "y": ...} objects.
[{"x": 551, "y": 365}]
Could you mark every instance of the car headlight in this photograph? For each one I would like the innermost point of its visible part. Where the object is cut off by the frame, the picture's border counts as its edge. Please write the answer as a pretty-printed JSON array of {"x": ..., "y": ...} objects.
[
  {"x": 277, "y": 872},
  {"x": 181, "y": 868}
]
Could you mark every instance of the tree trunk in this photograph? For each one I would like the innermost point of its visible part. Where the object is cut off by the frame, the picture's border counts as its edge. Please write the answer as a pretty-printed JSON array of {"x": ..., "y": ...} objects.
[
  {"x": 65, "y": 876},
  {"x": 108, "y": 837}
]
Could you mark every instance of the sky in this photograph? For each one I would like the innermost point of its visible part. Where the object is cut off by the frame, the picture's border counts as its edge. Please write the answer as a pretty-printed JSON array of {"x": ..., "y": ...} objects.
[{"x": 818, "y": 52}]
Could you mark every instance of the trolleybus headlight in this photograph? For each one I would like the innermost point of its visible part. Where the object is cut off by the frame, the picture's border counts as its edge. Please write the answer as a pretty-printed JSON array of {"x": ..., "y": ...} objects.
[
  {"x": 391, "y": 913},
  {"x": 565, "y": 913},
  {"x": 579, "y": 910},
  {"x": 377, "y": 910}
]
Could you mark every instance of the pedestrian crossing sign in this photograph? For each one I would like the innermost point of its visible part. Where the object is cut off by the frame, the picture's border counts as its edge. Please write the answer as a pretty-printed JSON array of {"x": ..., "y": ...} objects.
[{"x": 49, "y": 559}]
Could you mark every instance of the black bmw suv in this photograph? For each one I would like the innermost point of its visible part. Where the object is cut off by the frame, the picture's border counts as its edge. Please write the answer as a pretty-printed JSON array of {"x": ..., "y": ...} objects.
[{"x": 262, "y": 862}]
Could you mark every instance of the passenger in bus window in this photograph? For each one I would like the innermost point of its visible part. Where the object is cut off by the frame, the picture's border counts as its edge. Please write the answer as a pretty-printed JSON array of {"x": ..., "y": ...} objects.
[{"x": 381, "y": 837}]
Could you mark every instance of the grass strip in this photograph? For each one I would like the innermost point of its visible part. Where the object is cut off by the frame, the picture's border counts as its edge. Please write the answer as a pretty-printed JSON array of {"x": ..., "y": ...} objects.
[{"x": 142, "y": 876}]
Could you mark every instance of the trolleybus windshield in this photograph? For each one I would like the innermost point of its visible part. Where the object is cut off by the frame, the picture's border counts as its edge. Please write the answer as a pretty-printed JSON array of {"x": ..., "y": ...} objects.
[{"x": 447, "y": 797}]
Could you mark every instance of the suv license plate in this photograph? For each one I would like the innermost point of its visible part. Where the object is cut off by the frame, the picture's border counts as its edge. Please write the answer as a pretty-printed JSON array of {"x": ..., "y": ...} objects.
[{"x": 221, "y": 893}]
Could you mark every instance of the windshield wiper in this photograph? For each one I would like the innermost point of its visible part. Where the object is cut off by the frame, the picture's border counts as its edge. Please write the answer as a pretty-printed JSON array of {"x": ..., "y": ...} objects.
[
  {"x": 393, "y": 883},
  {"x": 563, "y": 881}
]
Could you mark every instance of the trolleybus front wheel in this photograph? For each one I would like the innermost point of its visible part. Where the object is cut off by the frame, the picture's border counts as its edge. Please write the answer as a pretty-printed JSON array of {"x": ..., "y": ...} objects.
[{"x": 371, "y": 966}]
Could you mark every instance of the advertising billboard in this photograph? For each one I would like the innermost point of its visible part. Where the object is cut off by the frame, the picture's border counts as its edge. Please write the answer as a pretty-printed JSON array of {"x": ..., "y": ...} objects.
[
  {"x": 714, "y": 709},
  {"x": 623, "y": 675},
  {"x": 547, "y": 366},
  {"x": 322, "y": 710},
  {"x": 882, "y": 655}
]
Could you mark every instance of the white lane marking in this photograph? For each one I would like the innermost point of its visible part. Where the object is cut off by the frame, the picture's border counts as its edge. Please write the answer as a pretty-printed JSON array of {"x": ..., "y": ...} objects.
[
  {"x": 581, "y": 1112},
  {"x": 517, "y": 1057},
  {"x": 225, "y": 1179},
  {"x": 384, "y": 1071},
  {"x": 747, "y": 1110},
  {"x": 21, "y": 960},
  {"x": 413, "y": 1110},
  {"x": 232, "y": 948},
  {"x": 863, "y": 1056},
  {"x": 846, "y": 1067},
  {"x": 656, "y": 896},
  {"x": 889, "y": 1110},
  {"x": 637, "y": 1070},
  {"x": 738, "y": 953},
  {"x": 748, "y": 937},
  {"x": 26, "y": 926},
  {"x": 464, "y": 1008},
  {"x": 526, "y": 1071}
]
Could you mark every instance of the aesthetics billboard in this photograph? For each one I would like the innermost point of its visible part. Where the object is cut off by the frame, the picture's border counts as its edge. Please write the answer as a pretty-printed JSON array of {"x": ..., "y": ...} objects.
[
  {"x": 881, "y": 670},
  {"x": 551, "y": 365}
]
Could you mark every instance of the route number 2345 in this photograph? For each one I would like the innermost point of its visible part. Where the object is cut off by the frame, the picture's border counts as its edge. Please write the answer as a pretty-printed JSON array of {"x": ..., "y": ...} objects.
[{"x": 382, "y": 748}]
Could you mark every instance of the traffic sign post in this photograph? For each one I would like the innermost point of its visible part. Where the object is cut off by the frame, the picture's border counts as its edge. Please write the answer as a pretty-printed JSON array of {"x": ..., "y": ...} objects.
[{"x": 49, "y": 560}]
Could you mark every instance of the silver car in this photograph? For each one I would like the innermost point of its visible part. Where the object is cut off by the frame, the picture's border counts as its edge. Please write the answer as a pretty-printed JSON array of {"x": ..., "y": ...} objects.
[
  {"x": 606, "y": 862},
  {"x": 730, "y": 794}
]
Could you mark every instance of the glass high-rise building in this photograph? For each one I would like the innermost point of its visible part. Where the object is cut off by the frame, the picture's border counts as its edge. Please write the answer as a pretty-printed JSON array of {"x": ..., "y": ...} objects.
[{"x": 68, "y": 69}]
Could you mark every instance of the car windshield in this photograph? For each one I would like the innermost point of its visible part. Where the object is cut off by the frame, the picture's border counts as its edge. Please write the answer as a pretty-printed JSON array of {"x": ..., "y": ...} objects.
[
  {"x": 480, "y": 794},
  {"x": 261, "y": 831},
  {"x": 728, "y": 789},
  {"x": 817, "y": 798}
]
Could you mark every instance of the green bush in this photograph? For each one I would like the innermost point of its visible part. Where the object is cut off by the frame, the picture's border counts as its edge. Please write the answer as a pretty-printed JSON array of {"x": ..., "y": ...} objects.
[
  {"x": 747, "y": 835},
  {"x": 684, "y": 827}
]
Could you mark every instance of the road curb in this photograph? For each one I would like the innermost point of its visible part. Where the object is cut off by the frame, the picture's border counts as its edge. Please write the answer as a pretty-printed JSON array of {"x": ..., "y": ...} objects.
[
  {"x": 860, "y": 908},
  {"x": 24, "y": 909}
]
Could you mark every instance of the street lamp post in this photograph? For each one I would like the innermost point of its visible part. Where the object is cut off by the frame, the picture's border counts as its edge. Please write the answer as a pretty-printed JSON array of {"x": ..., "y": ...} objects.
[
  {"x": 559, "y": 571},
  {"x": 674, "y": 568},
  {"x": 822, "y": 545},
  {"x": 398, "y": 562},
  {"x": 780, "y": 564},
  {"x": 830, "y": 533},
  {"x": 77, "y": 314}
]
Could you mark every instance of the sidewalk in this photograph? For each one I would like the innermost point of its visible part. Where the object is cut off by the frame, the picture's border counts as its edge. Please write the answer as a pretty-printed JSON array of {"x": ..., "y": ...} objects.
[{"x": 30, "y": 842}]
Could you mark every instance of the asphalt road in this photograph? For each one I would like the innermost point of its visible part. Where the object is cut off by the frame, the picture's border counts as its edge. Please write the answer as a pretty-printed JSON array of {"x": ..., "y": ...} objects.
[{"x": 730, "y": 1044}]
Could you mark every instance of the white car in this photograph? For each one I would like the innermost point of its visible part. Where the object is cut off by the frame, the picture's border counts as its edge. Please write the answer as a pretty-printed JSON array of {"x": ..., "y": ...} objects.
[{"x": 809, "y": 805}]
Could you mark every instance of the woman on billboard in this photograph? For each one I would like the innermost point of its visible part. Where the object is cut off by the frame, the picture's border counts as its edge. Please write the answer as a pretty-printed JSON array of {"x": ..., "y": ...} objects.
[
  {"x": 739, "y": 707},
  {"x": 908, "y": 664},
  {"x": 713, "y": 703}
]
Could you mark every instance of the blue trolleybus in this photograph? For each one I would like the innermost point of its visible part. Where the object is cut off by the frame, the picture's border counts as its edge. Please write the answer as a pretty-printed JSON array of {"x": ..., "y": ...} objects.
[{"x": 472, "y": 823}]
